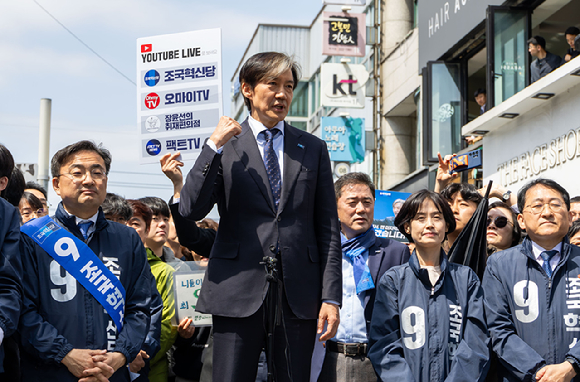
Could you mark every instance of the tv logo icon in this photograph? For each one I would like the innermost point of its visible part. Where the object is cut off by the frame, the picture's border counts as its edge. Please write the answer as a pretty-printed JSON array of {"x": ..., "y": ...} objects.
[{"x": 153, "y": 147}]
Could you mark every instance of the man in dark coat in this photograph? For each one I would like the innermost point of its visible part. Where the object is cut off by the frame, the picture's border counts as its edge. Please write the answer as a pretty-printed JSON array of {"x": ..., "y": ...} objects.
[{"x": 273, "y": 186}]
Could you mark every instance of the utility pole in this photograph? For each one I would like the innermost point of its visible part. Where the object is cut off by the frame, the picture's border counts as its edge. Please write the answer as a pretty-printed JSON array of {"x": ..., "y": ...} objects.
[
  {"x": 377, "y": 152},
  {"x": 44, "y": 142}
]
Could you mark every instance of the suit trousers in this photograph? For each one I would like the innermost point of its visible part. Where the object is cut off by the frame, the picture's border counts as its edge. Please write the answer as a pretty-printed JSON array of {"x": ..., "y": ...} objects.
[
  {"x": 338, "y": 367},
  {"x": 239, "y": 341}
]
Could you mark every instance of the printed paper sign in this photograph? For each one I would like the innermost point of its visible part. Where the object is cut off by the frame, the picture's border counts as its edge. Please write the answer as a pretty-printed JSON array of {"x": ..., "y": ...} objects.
[
  {"x": 179, "y": 92},
  {"x": 187, "y": 285}
]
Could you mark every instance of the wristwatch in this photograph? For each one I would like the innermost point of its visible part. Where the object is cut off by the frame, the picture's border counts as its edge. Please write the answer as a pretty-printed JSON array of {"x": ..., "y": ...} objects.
[
  {"x": 574, "y": 364},
  {"x": 506, "y": 196}
]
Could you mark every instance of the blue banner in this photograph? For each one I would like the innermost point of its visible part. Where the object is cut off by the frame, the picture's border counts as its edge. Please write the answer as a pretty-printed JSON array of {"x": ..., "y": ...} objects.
[
  {"x": 81, "y": 263},
  {"x": 387, "y": 206}
]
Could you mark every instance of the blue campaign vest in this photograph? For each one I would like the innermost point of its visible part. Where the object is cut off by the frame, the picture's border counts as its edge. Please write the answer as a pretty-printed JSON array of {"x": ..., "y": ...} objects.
[{"x": 82, "y": 263}]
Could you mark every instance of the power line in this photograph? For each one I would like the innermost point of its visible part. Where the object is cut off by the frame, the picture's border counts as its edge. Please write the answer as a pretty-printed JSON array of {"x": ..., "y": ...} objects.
[{"x": 82, "y": 42}]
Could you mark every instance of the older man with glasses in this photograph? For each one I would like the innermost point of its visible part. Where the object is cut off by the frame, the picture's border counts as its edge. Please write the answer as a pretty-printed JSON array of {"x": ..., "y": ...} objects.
[
  {"x": 532, "y": 292},
  {"x": 87, "y": 289}
]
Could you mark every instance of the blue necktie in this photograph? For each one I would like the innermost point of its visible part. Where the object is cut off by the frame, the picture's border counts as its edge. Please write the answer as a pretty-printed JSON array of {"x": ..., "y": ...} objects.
[
  {"x": 547, "y": 256},
  {"x": 271, "y": 163},
  {"x": 84, "y": 227}
]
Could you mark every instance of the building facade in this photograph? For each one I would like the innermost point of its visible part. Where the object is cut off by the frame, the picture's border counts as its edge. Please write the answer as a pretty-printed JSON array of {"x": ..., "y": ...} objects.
[
  {"x": 306, "y": 111},
  {"x": 525, "y": 130}
]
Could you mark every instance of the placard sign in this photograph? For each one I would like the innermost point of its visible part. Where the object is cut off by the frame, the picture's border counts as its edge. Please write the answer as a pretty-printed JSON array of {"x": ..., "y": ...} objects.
[
  {"x": 187, "y": 285},
  {"x": 344, "y": 34},
  {"x": 179, "y": 92},
  {"x": 387, "y": 206},
  {"x": 465, "y": 161}
]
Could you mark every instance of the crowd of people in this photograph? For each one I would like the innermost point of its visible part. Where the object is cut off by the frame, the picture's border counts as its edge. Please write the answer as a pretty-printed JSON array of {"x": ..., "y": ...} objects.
[
  {"x": 544, "y": 62},
  {"x": 86, "y": 294}
]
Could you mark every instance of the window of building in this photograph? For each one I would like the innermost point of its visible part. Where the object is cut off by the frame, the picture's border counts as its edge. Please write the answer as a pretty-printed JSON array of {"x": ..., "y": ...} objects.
[
  {"x": 508, "y": 32},
  {"x": 302, "y": 125},
  {"x": 443, "y": 109},
  {"x": 299, "y": 106}
]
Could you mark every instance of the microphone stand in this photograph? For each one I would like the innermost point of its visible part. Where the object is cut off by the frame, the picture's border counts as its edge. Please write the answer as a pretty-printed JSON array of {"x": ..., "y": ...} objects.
[{"x": 270, "y": 264}]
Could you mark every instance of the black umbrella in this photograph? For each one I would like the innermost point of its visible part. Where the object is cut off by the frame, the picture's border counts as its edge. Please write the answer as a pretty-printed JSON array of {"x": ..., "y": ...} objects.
[{"x": 470, "y": 247}]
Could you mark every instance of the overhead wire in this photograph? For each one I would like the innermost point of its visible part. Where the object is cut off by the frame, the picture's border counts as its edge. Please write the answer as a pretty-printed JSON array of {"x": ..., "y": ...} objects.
[{"x": 82, "y": 42}]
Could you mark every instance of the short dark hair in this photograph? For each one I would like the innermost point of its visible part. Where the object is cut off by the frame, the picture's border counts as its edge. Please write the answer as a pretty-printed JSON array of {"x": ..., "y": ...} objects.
[
  {"x": 35, "y": 186},
  {"x": 353, "y": 178},
  {"x": 117, "y": 205},
  {"x": 516, "y": 230},
  {"x": 64, "y": 154},
  {"x": 467, "y": 191},
  {"x": 575, "y": 199},
  {"x": 549, "y": 183},
  {"x": 267, "y": 65},
  {"x": 140, "y": 209},
  {"x": 6, "y": 162},
  {"x": 412, "y": 205},
  {"x": 479, "y": 91},
  {"x": 538, "y": 40},
  {"x": 157, "y": 205},
  {"x": 32, "y": 200},
  {"x": 574, "y": 228},
  {"x": 572, "y": 30},
  {"x": 13, "y": 192}
]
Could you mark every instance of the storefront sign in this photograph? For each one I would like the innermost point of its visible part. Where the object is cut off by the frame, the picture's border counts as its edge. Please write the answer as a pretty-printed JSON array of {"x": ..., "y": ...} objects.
[
  {"x": 179, "y": 92},
  {"x": 343, "y": 34},
  {"x": 343, "y": 85},
  {"x": 345, "y": 138},
  {"x": 541, "y": 143},
  {"x": 442, "y": 23},
  {"x": 533, "y": 163}
]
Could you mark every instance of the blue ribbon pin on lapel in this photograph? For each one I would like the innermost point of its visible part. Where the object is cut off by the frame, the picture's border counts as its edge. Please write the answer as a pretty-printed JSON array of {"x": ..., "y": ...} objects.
[{"x": 301, "y": 145}]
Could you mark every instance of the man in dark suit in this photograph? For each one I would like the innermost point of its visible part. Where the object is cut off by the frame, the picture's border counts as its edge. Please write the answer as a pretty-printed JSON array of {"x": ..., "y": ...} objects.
[
  {"x": 273, "y": 186},
  {"x": 365, "y": 258}
]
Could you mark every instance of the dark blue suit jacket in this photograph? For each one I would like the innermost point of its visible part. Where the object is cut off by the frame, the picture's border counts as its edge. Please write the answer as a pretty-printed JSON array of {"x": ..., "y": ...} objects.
[
  {"x": 10, "y": 271},
  {"x": 305, "y": 224},
  {"x": 383, "y": 255}
]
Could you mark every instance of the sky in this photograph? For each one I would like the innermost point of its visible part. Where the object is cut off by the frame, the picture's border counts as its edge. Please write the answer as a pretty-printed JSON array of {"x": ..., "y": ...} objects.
[{"x": 91, "y": 100}]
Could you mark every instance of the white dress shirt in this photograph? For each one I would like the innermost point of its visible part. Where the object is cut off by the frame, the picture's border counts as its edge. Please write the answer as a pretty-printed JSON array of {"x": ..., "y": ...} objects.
[
  {"x": 91, "y": 228},
  {"x": 257, "y": 128},
  {"x": 537, "y": 250}
]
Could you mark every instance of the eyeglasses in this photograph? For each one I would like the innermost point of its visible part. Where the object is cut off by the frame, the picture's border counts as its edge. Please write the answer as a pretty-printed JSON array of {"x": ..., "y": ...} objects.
[
  {"x": 78, "y": 175},
  {"x": 499, "y": 221},
  {"x": 37, "y": 213},
  {"x": 537, "y": 208}
]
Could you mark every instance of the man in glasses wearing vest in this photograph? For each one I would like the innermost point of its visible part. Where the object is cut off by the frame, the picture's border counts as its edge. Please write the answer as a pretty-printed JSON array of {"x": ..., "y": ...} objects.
[
  {"x": 87, "y": 296},
  {"x": 532, "y": 292}
]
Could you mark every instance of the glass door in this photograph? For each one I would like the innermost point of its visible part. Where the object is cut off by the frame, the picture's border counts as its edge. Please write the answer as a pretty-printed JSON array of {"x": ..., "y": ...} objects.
[
  {"x": 443, "y": 109},
  {"x": 508, "y": 30}
]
